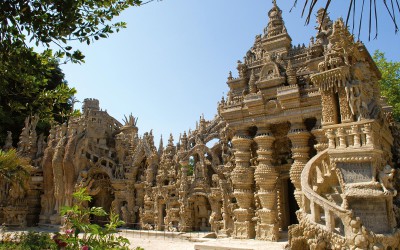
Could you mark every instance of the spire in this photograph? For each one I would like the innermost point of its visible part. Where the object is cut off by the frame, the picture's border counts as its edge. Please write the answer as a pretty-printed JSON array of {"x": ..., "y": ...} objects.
[
  {"x": 275, "y": 34},
  {"x": 160, "y": 147},
  {"x": 184, "y": 141},
  {"x": 252, "y": 83},
  {"x": 276, "y": 25},
  {"x": 171, "y": 140},
  {"x": 324, "y": 27}
]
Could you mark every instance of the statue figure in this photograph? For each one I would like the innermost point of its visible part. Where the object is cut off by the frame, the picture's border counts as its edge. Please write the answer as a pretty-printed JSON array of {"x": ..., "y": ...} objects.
[
  {"x": 32, "y": 148},
  {"x": 8, "y": 143},
  {"x": 171, "y": 227},
  {"x": 119, "y": 172},
  {"x": 41, "y": 145},
  {"x": 386, "y": 177},
  {"x": 58, "y": 174},
  {"x": 229, "y": 98},
  {"x": 125, "y": 213},
  {"x": 23, "y": 143},
  {"x": 213, "y": 222},
  {"x": 324, "y": 27},
  {"x": 361, "y": 237},
  {"x": 353, "y": 91}
]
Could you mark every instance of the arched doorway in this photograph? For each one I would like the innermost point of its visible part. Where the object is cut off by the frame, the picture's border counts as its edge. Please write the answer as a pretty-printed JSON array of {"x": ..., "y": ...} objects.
[
  {"x": 103, "y": 198},
  {"x": 201, "y": 213}
]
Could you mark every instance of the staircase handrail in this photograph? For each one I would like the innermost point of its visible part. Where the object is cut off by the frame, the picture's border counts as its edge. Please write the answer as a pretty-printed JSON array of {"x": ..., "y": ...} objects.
[{"x": 311, "y": 194}]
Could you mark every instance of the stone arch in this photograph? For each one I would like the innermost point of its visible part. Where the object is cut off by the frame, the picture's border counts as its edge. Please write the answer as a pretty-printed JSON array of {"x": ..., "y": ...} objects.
[
  {"x": 200, "y": 206},
  {"x": 270, "y": 70},
  {"x": 104, "y": 198}
]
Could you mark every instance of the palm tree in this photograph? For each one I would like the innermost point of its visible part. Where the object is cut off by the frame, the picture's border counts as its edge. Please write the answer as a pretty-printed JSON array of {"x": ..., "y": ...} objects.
[
  {"x": 392, "y": 7},
  {"x": 13, "y": 168}
]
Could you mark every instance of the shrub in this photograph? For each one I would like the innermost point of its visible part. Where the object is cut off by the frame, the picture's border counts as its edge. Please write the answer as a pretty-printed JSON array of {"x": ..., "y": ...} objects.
[
  {"x": 93, "y": 236},
  {"x": 26, "y": 241}
]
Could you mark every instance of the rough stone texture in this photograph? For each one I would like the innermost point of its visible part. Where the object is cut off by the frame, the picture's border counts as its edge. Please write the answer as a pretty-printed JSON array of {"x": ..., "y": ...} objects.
[{"x": 304, "y": 144}]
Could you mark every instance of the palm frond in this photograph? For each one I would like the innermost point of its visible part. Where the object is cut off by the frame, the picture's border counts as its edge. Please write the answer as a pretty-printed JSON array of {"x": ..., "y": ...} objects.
[
  {"x": 14, "y": 167},
  {"x": 356, "y": 10}
]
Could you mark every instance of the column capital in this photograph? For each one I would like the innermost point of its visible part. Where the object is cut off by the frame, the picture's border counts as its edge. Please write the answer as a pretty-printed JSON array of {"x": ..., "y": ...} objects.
[{"x": 264, "y": 130}]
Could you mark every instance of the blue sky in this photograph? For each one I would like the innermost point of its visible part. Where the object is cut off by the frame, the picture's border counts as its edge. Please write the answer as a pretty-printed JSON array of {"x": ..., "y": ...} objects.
[{"x": 170, "y": 65}]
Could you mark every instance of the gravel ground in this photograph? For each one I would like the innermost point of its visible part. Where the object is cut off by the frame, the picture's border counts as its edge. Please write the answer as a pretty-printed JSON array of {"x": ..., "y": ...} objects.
[
  {"x": 153, "y": 240},
  {"x": 161, "y": 241}
]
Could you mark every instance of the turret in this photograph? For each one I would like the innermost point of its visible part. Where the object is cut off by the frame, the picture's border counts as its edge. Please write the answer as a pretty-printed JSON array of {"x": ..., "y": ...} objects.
[
  {"x": 275, "y": 35},
  {"x": 90, "y": 104}
]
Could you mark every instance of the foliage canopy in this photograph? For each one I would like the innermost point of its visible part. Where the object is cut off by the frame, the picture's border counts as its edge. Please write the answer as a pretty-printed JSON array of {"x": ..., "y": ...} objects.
[
  {"x": 46, "y": 22},
  {"x": 31, "y": 82},
  {"x": 390, "y": 82},
  {"x": 13, "y": 168}
]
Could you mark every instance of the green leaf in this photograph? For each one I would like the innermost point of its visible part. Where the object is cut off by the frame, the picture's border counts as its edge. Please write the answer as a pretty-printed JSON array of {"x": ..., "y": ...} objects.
[{"x": 98, "y": 211}]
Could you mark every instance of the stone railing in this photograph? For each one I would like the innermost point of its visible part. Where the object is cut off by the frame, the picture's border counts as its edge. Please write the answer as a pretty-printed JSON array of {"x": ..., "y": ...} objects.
[
  {"x": 297, "y": 50},
  {"x": 332, "y": 216},
  {"x": 355, "y": 135},
  {"x": 284, "y": 89},
  {"x": 255, "y": 63},
  {"x": 236, "y": 101},
  {"x": 314, "y": 204}
]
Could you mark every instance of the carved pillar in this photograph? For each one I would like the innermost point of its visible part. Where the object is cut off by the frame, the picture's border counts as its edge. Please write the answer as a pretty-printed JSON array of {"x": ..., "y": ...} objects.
[
  {"x": 345, "y": 111},
  {"x": 329, "y": 220},
  {"x": 320, "y": 137},
  {"x": 315, "y": 212},
  {"x": 129, "y": 196},
  {"x": 266, "y": 177},
  {"x": 299, "y": 136},
  {"x": 243, "y": 180},
  {"x": 329, "y": 107}
]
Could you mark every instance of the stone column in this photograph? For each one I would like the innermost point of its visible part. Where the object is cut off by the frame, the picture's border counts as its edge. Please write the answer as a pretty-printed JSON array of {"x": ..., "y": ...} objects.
[
  {"x": 345, "y": 112},
  {"x": 266, "y": 177},
  {"x": 330, "y": 113},
  {"x": 129, "y": 196},
  {"x": 299, "y": 136},
  {"x": 243, "y": 180}
]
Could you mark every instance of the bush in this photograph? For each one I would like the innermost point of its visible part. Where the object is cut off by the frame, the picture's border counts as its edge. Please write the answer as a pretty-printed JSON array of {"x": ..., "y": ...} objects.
[
  {"x": 26, "y": 241},
  {"x": 93, "y": 236},
  {"x": 79, "y": 234}
]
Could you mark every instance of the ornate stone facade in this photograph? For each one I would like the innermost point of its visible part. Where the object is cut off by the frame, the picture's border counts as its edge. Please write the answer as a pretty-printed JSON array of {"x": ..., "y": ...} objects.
[{"x": 303, "y": 142}]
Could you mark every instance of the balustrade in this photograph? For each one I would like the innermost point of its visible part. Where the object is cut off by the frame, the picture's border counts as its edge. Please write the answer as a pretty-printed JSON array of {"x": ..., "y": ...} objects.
[
  {"x": 353, "y": 135},
  {"x": 319, "y": 209}
]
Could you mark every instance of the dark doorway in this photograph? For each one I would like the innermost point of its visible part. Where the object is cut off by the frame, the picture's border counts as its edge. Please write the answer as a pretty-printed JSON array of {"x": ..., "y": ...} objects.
[
  {"x": 137, "y": 220},
  {"x": 201, "y": 214},
  {"x": 292, "y": 203},
  {"x": 337, "y": 107},
  {"x": 103, "y": 198},
  {"x": 164, "y": 214}
]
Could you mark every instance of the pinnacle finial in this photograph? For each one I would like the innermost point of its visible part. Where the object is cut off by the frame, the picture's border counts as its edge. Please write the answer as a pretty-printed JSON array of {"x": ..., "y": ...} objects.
[{"x": 274, "y": 3}]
